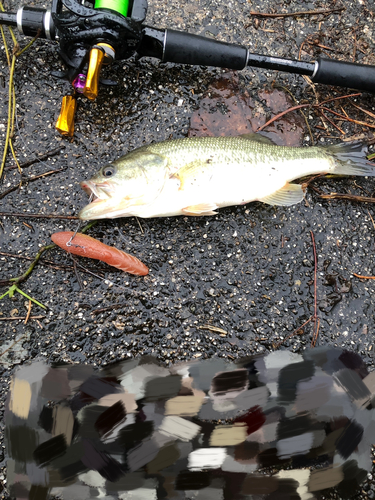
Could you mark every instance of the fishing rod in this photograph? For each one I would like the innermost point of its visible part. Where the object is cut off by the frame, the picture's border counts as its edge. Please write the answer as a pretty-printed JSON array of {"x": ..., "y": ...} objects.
[{"x": 96, "y": 32}]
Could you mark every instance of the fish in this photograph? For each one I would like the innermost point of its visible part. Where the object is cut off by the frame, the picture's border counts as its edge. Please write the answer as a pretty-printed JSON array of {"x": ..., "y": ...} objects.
[
  {"x": 196, "y": 176},
  {"x": 86, "y": 246}
]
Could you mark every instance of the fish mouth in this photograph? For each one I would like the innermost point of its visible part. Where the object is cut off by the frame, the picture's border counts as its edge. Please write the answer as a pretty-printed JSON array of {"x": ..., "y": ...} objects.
[
  {"x": 97, "y": 191},
  {"x": 103, "y": 202},
  {"x": 99, "y": 196}
]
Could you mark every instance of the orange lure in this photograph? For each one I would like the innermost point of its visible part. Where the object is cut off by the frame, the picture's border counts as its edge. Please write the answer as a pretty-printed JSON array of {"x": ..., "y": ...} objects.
[{"x": 86, "y": 246}]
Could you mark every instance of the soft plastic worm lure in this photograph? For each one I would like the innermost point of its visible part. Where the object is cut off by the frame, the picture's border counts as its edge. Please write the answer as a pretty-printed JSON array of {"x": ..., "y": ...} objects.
[{"x": 86, "y": 246}]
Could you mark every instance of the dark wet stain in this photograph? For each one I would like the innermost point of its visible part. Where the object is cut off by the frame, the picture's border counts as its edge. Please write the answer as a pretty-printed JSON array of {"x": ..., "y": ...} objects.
[
  {"x": 339, "y": 284},
  {"x": 227, "y": 109}
]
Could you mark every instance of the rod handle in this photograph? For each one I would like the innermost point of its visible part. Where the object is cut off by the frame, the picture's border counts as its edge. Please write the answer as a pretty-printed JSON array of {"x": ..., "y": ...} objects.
[
  {"x": 186, "y": 48},
  {"x": 345, "y": 74}
]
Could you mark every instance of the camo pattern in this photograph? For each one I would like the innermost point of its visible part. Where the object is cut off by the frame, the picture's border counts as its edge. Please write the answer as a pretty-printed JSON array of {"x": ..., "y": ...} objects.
[{"x": 280, "y": 426}]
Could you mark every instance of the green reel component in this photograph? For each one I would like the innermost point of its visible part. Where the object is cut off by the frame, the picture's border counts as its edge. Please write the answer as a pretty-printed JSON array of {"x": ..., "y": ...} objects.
[{"x": 119, "y": 6}]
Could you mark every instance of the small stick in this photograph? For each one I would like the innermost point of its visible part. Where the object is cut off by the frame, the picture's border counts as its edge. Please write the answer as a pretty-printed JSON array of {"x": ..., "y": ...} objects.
[
  {"x": 39, "y": 216},
  {"x": 213, "y": 329},
  {"x": 42, "y": 157},
  {"x": 29, "y": 179},
  {"x": 332, "y": 123},
  {"x": 41, "y": 251},
  {"x": 19, "y": 318},
  {"x": 28, "y": 312},
  {"x": 351, "y": 197},
  {"x": 301, "y": 13},
  {"x": 372, "y": 220},
  {"x": 363, "y": 277},
  {"x": 140, "y": 226},
  {"x": 275, "y": 346},
  {"x": 10, "y": 96},
  {"x": 358, "y": 122},
  {"x": 340, "y": 97},
  {"x": 14, "y": 343},
  {"x": 293, "y": 108},
  {"x": 322, "y": 46},
  {"x": 4, "y": 41},
  {"x": 108, "y": 308},
  {"x": 364, "y": 110},
  {"x": 315, "y": 317}
]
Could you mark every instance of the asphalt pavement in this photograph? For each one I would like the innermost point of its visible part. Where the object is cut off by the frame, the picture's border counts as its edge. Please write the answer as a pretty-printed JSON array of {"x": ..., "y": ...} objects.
[{"x": 237, "y": 283}]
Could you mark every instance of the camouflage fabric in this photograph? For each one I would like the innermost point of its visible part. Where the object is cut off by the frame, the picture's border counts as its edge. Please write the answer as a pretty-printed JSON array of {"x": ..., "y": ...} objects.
[{"x": 280, "y": 426}]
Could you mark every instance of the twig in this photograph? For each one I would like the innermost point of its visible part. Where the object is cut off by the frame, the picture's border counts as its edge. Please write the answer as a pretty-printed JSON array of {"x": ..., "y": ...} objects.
[
  {"x": 9, "y": 124},
  {"x": 12, "y": 95},
  {"x": 302, "y": 113},
  {"x": 372, "y": 220},
  {"x": 5, "y": 44},
  {"x": 108, "y": 308},
  {"x": 213, "y": 329},
  {"x": 293, "y": 108},
  {"x": 278, "y": 344},
  {"x": 18, "y": 53},
  {"x": 26, "y": 180},
  {"x": 39, "y": 216},
  {"x": 140, "y": 226},
  {"x": 358, "y": 122},
  {"x": 315, "y": 106},
  {"x": 301, "y": 13},
  {"x": 28, "y": 312},
  {"x": 18, "y": 318},
  {"x": 315, "y": 317},
  {"x": 42, "y": 157},
  {"x": 19, "y": 279},
  {"x": 14, "y": 343},
  {"x": 350, "y": 197},
  {"x": 363, "y": 110},
  {"x": 340, "y": 97},
  {"x": 363, "y": 277},
  {"x": 331, "y": 122}
]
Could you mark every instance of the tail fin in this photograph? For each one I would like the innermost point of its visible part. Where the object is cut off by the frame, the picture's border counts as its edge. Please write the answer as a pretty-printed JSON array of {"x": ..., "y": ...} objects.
[{"x": 350, "y": 159}]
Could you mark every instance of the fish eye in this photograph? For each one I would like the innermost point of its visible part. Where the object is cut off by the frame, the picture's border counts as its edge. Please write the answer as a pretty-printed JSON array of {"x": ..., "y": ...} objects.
[{"x": 108, "y": 171}]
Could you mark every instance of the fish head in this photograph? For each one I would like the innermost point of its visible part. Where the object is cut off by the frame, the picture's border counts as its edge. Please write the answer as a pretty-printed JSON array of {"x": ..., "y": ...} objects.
[{"x": 120, "y": 187}]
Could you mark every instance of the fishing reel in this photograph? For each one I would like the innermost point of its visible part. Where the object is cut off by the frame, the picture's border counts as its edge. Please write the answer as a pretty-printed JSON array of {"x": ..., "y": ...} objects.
[
  {"x": 96, "y": 32},
  {"x": 89, "y": 37}
]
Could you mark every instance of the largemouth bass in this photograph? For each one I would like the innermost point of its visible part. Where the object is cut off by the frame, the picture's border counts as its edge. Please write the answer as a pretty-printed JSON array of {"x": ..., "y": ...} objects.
[{"x": 196, "y": 176}]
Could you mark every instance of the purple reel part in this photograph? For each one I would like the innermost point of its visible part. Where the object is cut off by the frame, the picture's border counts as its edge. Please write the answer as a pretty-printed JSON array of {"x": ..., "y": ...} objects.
[{"x": 79, "y": 83}]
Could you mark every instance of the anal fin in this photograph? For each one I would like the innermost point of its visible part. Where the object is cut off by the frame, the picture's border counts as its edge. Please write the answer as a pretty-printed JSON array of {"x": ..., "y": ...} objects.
[
  {"x": 288, "y": 195},
  {"x": 201, "y": 209}
]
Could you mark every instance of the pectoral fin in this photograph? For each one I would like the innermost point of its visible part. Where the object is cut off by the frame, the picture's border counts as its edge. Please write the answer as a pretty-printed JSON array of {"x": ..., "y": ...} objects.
[
  {"x": 201, "y": 209},
  {"x": 289, "y": 195}
]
